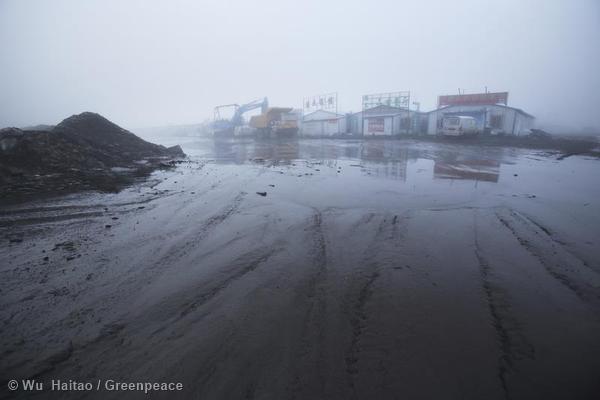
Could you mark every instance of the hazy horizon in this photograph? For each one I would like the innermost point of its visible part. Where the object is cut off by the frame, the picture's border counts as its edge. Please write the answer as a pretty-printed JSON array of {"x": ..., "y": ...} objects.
[{"x": 151, "y": 63}]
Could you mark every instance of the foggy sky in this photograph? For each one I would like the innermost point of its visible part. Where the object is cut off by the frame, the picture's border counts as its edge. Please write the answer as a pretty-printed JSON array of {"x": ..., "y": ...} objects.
[{"x": 152, "y": 63}]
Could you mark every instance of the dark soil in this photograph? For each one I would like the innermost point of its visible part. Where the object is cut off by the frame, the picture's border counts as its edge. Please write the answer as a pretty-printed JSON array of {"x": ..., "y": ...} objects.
[{"x": 83, "y": 152}]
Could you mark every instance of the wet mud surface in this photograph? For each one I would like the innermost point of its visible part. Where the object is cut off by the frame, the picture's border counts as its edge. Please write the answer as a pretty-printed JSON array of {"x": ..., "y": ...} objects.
[{"x": 367, "y": 270}]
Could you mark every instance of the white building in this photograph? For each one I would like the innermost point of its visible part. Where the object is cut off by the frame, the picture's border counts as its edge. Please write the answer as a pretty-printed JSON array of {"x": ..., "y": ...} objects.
[
  {"x": 385, "y": 120},
  {"x": 495, "y": 119},
  {"x": 322, "y": 123}
]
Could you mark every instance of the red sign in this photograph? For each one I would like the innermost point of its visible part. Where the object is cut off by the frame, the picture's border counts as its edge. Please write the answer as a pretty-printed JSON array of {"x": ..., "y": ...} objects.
[
  {"x": 476, "y": 99},
  {"x": 376, "y": 125}
]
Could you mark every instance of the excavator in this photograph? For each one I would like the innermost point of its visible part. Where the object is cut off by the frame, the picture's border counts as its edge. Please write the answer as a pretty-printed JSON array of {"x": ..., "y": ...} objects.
[
  {"x": 272, "y": 122},
  {"x": 224, "y": 127}
]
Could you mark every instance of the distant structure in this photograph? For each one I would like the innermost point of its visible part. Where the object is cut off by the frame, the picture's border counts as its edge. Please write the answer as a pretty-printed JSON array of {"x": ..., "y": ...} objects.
[
  {"x": 323, "y": 123},
  {"x": 325, "y": 102},
  {"x": 391, "y": 99},
  {"x": 386, "y": 114},
  {"x": 474, "y": 99},
  {"x": 490, "y": 110}
]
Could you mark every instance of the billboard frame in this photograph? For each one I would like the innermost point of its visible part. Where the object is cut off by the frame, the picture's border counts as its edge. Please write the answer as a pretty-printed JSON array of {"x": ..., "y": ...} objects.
[
  {"x": 473, "y": 99},
  {"x": 324, "y": 102},
  {"x": 398, "y": 99}
]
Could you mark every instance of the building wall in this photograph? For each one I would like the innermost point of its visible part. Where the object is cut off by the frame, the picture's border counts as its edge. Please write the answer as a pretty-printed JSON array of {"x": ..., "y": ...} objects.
[
  {"x": 330, "y": 127},
  {"x": 398, "y": 124},
  {"x": 378, "y": 125},
  {"x": 355, "y": 123},
  {"x": 323, "y": 123}
]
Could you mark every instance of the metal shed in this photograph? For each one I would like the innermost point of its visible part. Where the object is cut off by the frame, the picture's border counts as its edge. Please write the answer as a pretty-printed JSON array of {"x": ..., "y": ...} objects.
[
  {"x": 323, "y": 123},
  {"x": 495, "y": 119}
]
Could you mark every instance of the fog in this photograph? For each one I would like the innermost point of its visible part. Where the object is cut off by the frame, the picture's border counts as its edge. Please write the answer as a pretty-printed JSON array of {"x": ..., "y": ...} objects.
[
  {"x": 151, "y": 63},
  {"x": 147, "y": 246}
]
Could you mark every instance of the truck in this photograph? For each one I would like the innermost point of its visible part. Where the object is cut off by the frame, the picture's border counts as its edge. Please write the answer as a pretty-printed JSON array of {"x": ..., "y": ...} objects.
[
  {"x": 459, "y": 125},
  {"x": 275, "y": 122}
]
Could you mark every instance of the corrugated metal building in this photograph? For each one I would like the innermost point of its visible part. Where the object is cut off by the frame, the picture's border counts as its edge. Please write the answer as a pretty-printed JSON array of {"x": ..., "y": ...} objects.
[
  {"x": 418, "y": 121},
  {"x": 323, "y": 123},
  {"x": 385, "y": 120},
  {"x": 495, "y": 119}
]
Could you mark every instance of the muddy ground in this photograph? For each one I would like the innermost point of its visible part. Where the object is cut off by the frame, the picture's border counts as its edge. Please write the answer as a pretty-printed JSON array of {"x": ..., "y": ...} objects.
[{"x": 368, "y": 270}]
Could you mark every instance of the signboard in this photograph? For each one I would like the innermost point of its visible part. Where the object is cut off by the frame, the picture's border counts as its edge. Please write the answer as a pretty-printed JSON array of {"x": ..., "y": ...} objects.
[
  {"x": 327, "y": 102},
  {"x": 476, "y": 99},
  {"x": 392, "y": 99},
  {"x": 376, "y": 125}
]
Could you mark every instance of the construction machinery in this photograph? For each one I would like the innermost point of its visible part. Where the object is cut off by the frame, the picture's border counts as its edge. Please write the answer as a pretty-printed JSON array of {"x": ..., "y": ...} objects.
[
  {"x": 223, "y": 126},
  {"x": 275, "y": 122}
]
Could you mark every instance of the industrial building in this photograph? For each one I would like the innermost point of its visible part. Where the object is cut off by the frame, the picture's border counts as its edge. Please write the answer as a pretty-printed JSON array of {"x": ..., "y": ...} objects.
[
  {"x": 389, "y": 114},
  {"x": 323, "y": 123},
  {"x": 383, "y": 120},
  {"x": 493, "y": 119},
  {"x": 490, "y": 110}
]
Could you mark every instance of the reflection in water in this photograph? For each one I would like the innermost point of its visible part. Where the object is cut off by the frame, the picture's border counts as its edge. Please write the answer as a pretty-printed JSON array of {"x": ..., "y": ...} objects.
[
  {"x": 475, "y": 170},
  {"x": 383, "y": 158},
  {"x": 227, "y": 151}
]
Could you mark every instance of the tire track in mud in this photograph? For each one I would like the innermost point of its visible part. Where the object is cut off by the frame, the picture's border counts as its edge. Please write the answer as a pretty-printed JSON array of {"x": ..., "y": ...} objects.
[
  {"x": 132, "y": 284},
  {"x": 316, "y": 312},
  {"x": 364, "y": 220},
  {"x": 554, "y": 265},
  {"x": 115, "y": 332},
  {"x": 551, "y": 235},
  {"x": 357, "y": 322},
  {"x": 243, "y": 265},
  {"x": 387, "y": 233},
  {"x": 240, "y": 267},
  {"x": 181, "y": 249},
  {"x": 513, "y": 344}
]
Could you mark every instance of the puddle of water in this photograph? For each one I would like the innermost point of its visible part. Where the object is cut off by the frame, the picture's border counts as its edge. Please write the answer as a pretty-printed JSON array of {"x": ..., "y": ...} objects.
[{"x": 421, "y": 166}]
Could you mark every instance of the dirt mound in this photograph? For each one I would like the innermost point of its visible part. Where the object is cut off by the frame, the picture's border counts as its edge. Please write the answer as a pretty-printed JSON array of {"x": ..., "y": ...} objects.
[
  {"x": 108, "y": 141},
  {"x": 82, "y": 152}
]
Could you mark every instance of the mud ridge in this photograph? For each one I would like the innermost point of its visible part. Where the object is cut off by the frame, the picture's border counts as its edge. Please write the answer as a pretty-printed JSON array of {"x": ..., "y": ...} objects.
[
  {"x": 357, "y": 322},
  {"x": 54, "y": 218}
]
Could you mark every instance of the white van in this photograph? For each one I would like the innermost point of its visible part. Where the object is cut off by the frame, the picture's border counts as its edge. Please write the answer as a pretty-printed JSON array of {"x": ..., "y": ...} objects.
[{"x": 458, "y": 125}]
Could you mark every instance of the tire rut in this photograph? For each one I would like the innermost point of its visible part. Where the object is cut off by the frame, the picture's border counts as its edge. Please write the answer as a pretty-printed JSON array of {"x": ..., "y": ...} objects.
[
  {"x": 245, "y": 264},
  {"x": 314, "y": 317},
  {"x": 512, "y": 341},
  {"x": 388, "y": 233},
  {"x": 554, "y": 265},
  {"x": 181, "y": 249}
]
